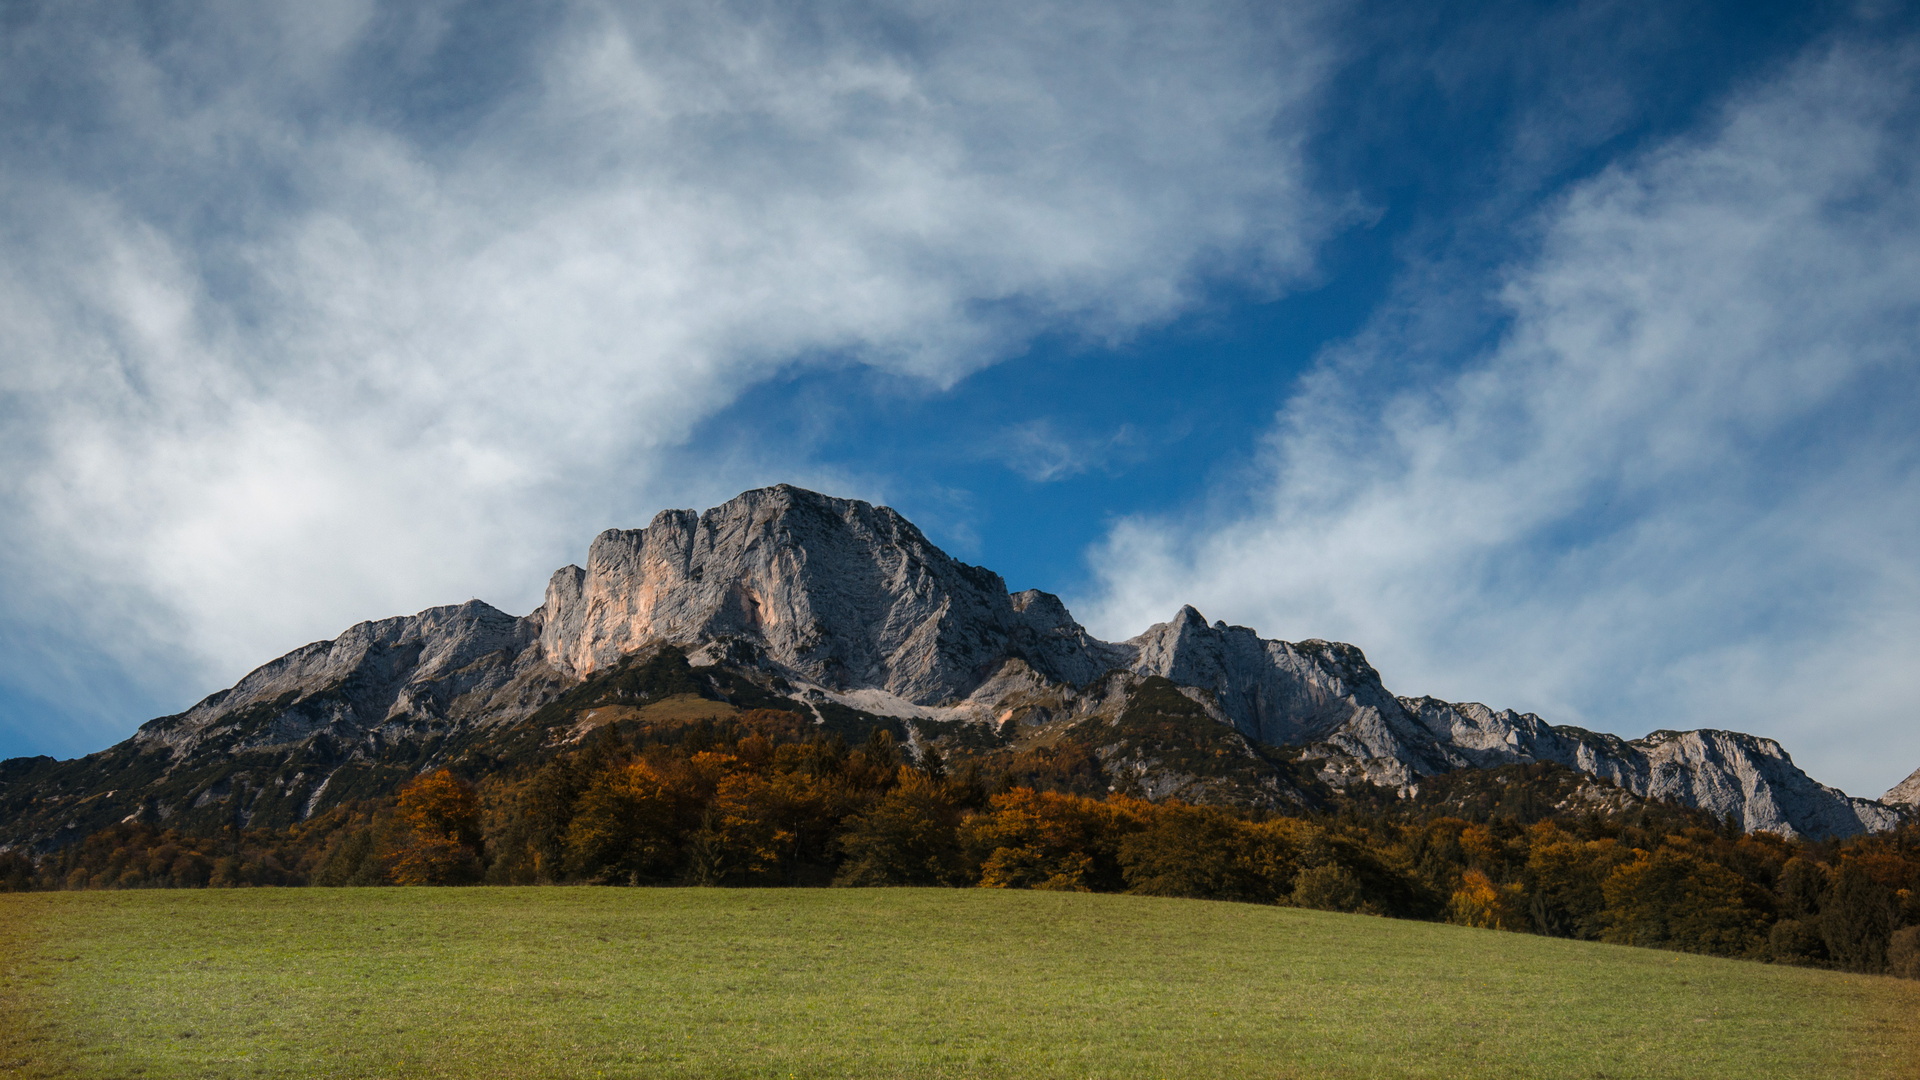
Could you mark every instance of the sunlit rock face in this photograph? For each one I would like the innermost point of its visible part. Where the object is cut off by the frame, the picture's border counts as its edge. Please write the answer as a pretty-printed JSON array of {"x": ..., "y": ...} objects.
[
  {"x": 1905, "y": 793},
  {"x": 844, "y": 599},
  {"x": 1742, "y": 776},
  {"x": 843, "y": 593},
  {"x": 1725, "y": 773}
]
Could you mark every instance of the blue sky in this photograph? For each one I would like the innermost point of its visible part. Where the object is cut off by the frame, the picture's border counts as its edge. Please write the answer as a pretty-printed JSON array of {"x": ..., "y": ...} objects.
[{"x": 1560, "y": 356}]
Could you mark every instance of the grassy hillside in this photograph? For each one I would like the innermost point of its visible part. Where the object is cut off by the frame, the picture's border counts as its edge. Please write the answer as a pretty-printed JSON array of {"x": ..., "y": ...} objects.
[{"x": 799, "y": 983}]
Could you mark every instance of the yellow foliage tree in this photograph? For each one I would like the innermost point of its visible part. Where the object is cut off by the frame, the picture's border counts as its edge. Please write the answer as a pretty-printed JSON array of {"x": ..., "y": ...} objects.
[
  {"x": 740, "y": 839},
  {"x": 909, "y": 837}
]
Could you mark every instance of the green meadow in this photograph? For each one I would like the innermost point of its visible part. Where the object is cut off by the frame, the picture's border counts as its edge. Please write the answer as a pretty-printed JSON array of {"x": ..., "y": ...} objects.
[{"x": 591, "y": 982}]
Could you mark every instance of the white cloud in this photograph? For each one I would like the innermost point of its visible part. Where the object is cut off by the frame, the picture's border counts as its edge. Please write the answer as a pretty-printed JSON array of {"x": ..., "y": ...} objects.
[
  {"x": 301, "y": 328},
  {"x": 1040, "y": 452},
  {"x": 1682, "y": 490}
]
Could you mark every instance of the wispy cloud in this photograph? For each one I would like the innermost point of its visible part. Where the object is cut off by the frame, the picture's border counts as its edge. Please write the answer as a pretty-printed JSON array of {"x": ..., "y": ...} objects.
[
  {"x": 1039, "y": 451},
  {"x": 322, "y": 311},
  {"x": 1684, "y": 488}
]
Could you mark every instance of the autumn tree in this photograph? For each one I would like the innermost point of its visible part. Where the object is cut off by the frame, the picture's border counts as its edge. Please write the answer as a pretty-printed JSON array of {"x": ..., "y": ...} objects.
[
  {"x": 1031, "y": 839},
  {"x": 1206, "y": 852},
  {"x": 353, "y": 857},
  {"x": 534, "y": 847},
  {"x": 1856, "y": 919},
  {"x": 1479, "y": 902},
  {"x": 1796, "y": 937},
  {"x": 1903, "y": 953},
  {"x": 1565, "y": 875},
  {"x": 622, "y": 830},
  {"x": 17, "y": 871},
  {"x": 910, "y": 837},
  {"x": 1673, "y": 899},
  {"x": 751, "y": 830},
  {"x": 438, "y": 819}
]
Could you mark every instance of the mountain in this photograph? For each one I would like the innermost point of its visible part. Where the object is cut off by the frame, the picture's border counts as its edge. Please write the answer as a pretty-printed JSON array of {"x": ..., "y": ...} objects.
[
  {"x": 845, "y": 612},
  {"x": 1905, "y": 793}
]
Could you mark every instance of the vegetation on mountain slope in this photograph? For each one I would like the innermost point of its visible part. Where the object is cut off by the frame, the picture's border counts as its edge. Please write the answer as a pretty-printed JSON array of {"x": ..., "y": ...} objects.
[{"x": 639, "y": 779}]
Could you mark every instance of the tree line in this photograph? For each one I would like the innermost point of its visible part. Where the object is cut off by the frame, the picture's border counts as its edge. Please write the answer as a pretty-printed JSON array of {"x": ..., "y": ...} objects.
[{"x": 765, "y": 799}]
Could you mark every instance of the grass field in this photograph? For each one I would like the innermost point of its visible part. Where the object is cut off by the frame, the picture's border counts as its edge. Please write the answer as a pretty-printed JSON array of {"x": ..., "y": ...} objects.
[{"x": 834, "y": 983}]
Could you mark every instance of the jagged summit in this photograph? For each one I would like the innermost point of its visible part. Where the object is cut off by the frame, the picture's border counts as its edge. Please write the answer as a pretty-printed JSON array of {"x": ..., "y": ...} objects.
[
  {"x": 815, "y": 603},
  {"x": 845, "y": 593},
  {"x": 1905, "y": 793}
]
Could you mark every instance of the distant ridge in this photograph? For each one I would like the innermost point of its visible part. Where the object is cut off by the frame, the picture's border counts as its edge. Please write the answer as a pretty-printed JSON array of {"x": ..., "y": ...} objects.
[{"x": 836, "y": 606}]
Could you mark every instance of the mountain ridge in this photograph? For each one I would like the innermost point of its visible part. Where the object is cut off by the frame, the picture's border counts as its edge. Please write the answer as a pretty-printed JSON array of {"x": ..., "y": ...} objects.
[{"x": 828, "y": 604}]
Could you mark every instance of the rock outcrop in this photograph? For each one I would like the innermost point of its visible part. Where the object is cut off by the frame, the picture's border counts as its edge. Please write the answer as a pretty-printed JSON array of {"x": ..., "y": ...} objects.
[
  {"x": 1325, "y": 695},
  {"x": 841, "y": 593},
  {"x": 1275, "y": 691},
  {"x": 843, "y": 603},
  {"x": 1905, "y": 793},
  {"x": 395, "y": 679}
]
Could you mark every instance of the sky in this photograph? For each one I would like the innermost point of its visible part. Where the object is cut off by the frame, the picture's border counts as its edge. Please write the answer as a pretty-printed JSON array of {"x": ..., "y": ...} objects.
[{"x": 1564, "y": 357}]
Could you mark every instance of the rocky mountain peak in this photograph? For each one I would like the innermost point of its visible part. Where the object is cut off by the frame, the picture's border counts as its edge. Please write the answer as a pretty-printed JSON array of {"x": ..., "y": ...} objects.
[
  {"x": 1905, "y": 793},
  {"x": 1275, "y": 691},
  {"x": 831, "y": 598},
  {"x": 842, "y": 592},
  {"x": 372, "y": 672}
]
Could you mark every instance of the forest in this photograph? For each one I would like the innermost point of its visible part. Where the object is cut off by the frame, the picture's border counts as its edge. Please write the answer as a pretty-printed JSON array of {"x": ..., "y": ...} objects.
[{"x": 766, "y": 799}]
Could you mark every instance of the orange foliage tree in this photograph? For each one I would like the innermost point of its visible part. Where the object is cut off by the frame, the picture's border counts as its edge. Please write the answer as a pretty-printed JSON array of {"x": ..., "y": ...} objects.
[
  {"x": 438, "y": 841},
  {"x": 909, "y": 837},
  {"x": 623, "y": 829},
  {"x": 1479, "y": 902},
  {"x": 1044, "y": 840}
]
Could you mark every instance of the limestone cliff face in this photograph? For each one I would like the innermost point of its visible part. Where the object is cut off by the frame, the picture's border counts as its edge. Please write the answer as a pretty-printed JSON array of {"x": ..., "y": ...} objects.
[
  {"x": 392, "y": 679},
  {"x": 1327, "y": 697},
  {"x": 842, "y": 593},
  {"x": 844, "y": 599},
  {"x": 1275, "y": 691},
  {"x": 1723, "y": 772},
  {"x": 1905, "y": 793},
  {"x": 331, "y": 722}
]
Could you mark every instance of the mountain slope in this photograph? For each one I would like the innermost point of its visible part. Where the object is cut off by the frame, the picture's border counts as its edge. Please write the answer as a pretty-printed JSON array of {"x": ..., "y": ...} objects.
[{"x": 844, "y": 611}]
